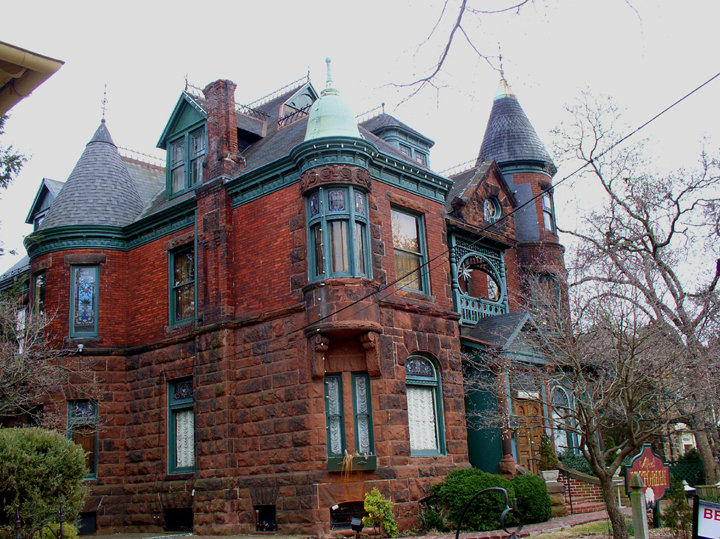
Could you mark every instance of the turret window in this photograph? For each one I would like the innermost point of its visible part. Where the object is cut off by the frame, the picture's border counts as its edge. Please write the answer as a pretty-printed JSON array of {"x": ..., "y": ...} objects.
[
  {"x": 338, "y": 232},
  {"x": 548, "y": 214},
  {"x": 84, "y": 301}
]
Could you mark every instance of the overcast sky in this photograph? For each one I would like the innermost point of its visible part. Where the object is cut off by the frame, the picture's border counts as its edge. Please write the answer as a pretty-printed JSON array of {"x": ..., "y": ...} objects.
[{"x": 645, "y": 53}]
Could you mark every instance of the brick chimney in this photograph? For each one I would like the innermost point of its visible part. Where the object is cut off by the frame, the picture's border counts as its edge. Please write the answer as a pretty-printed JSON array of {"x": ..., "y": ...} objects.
[{"x": 223, "y": 158}]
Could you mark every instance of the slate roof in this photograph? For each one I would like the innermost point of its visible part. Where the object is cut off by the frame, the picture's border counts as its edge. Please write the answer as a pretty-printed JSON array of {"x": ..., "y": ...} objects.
[
  {"x": 21, "y": 266},
  {"x": 149, "y": 179},
  {"x": 99, "y": 191},
  {"x": 383, "y": 121},
  {"x": 498, "y": 330},
  {"x": 510, "y": 138}
]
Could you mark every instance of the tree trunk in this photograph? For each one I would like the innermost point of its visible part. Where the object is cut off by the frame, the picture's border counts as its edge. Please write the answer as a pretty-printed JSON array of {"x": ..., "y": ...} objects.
[
  {"x": 712, "y": 474},
  {"x": 617, "y": 520}
]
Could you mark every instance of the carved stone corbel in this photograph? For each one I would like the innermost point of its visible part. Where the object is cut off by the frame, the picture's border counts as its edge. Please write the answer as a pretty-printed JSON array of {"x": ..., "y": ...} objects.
[
  {"x": 369, "y": 344},
  {"x": 319, "y": 344}
]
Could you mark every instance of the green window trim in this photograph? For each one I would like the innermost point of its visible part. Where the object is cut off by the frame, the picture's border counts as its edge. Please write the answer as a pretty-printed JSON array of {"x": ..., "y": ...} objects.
[
  {"x": 181, "y": 427},
  {"x": 182, "y": 291},
  {"x": 548, "y": 207},
  {"x": 410, "y": 250},
  {"x": 364, "y": 442},
  {"x": 82, "y": 424},
  {"x": 185, "y": 155},
  {"x": 84, "y": 301},
  {"x": 423, "y": 385},
  {"x": 338, "y": 233}
]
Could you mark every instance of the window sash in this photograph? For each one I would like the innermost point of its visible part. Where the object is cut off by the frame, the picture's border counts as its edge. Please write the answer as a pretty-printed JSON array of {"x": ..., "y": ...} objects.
[
  {"x": 409, "y": 249},
  {"x": 181, "y": 430},
  {"x": 337, "y": 233},
  {"x": 422, "y": 418},
  {"x": 334, "y": 415},
  {"x": 182, "y": 285},
  {"x": 362, "y": 408}
]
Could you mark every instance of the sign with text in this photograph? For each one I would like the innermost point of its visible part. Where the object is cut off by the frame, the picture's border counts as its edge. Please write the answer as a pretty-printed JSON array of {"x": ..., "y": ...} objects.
[
  {"x": 652, "y": 470},
  {"x": 706, "y": 519}
]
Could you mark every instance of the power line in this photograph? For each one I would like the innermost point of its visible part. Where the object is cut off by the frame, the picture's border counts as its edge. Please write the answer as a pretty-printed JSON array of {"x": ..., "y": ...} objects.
[{"x": 446, "y": 252}]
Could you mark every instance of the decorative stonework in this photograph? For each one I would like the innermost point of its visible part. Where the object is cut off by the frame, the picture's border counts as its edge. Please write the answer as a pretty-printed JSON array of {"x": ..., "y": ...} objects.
[
  {"x": 369, "y": 344},
  {"x": 319, "y": 344},
  {"x": 335, "y": 174}
]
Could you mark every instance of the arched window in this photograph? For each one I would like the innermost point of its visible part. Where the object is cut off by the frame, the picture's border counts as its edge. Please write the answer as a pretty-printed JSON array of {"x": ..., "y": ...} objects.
[
  {"x": 491, "y": 209},
  {"x": 560, "y": 411},
  {"x": 424, "y": 402}
]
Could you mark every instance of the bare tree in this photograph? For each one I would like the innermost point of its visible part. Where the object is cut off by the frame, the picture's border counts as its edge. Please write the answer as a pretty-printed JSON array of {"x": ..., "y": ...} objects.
[
  {"x": 32, "y": 371},
  {"x": 653, "y": 242},
  {"x": 623, "y": 372}
]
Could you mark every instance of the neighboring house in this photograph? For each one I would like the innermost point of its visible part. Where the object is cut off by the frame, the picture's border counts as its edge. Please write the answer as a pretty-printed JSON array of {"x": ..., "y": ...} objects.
[
  {"x": 277, "y": 319},
  {"x": 21, "y": 71}
]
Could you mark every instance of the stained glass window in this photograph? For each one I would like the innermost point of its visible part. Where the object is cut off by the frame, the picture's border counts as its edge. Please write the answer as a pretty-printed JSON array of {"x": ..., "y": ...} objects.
[
  {"x": 409, "y": 250},
  {"x": 424, "y": 404},
  {"x": 491, "y": 209},
  {"x": 83, "y": 430},
  {"x": 84, "y": 307},
  {"x": 337, "y": 233},
  {"x": 182, "y": 270},
  {"x": 182, "y": 427}
]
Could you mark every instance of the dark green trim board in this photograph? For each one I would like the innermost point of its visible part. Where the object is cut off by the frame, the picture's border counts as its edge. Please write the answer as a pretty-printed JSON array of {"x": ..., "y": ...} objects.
[
  {"x": 170, "y": 127},
  {"x": 484, "y": 448},
  {"x": 151, "y": 228}
]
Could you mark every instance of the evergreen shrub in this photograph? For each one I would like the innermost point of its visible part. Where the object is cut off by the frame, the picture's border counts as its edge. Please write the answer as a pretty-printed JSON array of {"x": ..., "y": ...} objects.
[
  {"x": 39, "y": 469},
  {"x": 452, "y": 494},
  {"x": 533, "y": 500}
]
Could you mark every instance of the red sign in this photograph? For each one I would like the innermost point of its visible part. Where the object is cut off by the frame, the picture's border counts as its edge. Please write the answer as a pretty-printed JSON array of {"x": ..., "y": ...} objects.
[{"x": 653, "y": 471}]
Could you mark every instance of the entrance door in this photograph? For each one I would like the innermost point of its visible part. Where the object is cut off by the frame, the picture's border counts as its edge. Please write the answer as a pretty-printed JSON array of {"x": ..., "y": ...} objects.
[{"x": 529, "y": 433}]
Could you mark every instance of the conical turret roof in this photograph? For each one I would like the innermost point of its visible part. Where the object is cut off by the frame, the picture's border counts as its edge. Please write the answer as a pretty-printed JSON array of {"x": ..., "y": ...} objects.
[
  {"x": 99, "y": 190},
  {"x": 510, "y": 138}
]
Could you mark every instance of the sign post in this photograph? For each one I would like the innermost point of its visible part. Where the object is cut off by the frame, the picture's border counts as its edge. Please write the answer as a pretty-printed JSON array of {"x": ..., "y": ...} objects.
[{"x": 655, "y": 475}]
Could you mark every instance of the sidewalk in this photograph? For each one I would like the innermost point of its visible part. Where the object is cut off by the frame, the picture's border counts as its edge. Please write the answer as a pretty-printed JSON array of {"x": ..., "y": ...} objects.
[{"x": 555, "y": 524}]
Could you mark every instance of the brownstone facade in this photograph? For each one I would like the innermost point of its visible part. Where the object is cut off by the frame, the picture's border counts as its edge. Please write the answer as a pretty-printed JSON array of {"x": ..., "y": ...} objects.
[{"x": 267, "y": 329}]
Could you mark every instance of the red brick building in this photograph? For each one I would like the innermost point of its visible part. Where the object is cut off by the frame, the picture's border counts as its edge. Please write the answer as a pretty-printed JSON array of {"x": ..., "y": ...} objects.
[{"x": 277, "y": 318}]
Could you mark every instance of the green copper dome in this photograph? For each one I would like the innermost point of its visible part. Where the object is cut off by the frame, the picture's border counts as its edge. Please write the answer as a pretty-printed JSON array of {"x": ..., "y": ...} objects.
[{"x": 331, "y": 115}]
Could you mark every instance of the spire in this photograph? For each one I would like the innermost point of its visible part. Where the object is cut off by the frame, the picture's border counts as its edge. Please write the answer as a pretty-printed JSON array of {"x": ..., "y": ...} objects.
[
  {"x": 99, "y": 190},
  {"x": 510, "y": 139},
  {"x": 331, "y": 115}
]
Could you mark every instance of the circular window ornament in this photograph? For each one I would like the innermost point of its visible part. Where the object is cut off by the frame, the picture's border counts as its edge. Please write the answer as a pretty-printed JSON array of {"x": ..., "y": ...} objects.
[{"x": 491, "y": 209}]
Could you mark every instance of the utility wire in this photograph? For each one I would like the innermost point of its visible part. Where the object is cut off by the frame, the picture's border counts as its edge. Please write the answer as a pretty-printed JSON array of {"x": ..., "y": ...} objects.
[{"x": 426, "y": 265}]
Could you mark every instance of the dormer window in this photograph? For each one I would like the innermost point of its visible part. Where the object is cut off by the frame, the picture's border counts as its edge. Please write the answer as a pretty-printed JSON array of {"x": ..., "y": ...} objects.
[
  {"x": 414, "y": 154},
  {"x": 186, "y": 160}
]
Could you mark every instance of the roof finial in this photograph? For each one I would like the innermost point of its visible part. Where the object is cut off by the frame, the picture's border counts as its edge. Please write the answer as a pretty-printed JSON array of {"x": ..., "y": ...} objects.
[
  {"x": 328, "y": 83},
  {"x": 502, "y": 69},
  {"x": 186, "y": 82},
  {"x": 104, "y": 103}
]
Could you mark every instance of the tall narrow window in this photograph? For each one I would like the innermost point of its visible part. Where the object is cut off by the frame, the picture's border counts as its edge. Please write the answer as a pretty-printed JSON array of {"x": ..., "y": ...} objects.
[
  {"x": 84, "y": 301},
  {"x": 182, "y": 285},
  {"x": 181, "y": 427},
  {"x": 335, "y": 416},
  {"x": 409, "y": 246},
  {"x": 38, "y": 295},
  {"x": 82, "y": 429},
  {"x": 548, "y": 216},
  {"x": 424, "y": 404},
  {"x": 362, "y": 414},
  {"x": 185, "y": 160},
  {"x": 337, "y": 233}
]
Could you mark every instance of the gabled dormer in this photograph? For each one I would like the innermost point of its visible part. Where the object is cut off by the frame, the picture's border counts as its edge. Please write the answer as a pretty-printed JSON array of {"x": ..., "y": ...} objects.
[
  {"x": 185, "y": 139},
  {"x": 414, "y": 145},
  {"x": 298, "y": 105},
  {"x": 44, "y": 198}
]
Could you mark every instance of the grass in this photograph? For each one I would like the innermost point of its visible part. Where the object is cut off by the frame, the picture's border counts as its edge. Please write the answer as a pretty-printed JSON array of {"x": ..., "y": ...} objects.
[{"x": 599, "y": 528}]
